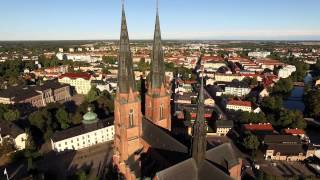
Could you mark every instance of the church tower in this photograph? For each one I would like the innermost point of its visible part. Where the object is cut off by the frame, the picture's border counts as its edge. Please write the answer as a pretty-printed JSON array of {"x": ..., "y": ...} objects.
[
  {"x": 199, "y": 141},
  {"x": 158, "y": 97},
  {"x": 127, "y": 113}
]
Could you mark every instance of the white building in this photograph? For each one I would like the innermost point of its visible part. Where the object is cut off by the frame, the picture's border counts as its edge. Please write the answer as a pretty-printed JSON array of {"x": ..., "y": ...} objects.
[
  {"x": 71, "y": 50},
  {"x": 286, "y": 71},
  {"x": 259, "y": 54},
  {"x": 80, "y": 81},
  {"x": 11, "y": 132},
  {"x": 238, "y": 91},
  {"x": 239, "y": 105},
  {"x": 91, "y": 132},
  {"x": 61, "y": 50}
]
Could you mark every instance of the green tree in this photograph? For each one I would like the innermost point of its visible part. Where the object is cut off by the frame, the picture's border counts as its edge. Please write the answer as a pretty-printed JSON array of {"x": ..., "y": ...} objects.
[
  {"x": 92, "y": 95},
  {"x": 63, "y": 118},
  {"x": 312, "y": 102},
  {"x": 251, "y": 142},
  {"x": 283, "y": 86},
  {"x": 38, "y": 119},
  {"x": 271, "y": 104},
  {"x": 11, "y": 115}
]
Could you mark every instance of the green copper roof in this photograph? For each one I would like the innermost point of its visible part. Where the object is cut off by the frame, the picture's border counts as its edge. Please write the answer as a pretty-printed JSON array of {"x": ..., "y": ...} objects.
[{"x": 90, "y": 117}]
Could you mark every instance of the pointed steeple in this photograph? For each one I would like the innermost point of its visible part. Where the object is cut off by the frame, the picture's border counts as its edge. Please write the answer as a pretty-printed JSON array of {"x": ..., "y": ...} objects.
[
  {"x": 199, "y": 142},
  {"x": 157, "y": 64},
  {"x": 126, "y": 78}
]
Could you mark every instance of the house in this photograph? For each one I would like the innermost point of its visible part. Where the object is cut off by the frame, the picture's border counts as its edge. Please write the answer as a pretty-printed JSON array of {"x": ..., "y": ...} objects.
[
  {"x": 260, "y": 129},
  {"x": 222, "y": 127},
  {"x": 80, "y": 81},
  {"x": 10, "y": 131},
  {"x": 36, "y": 96},
  {"x": 92, "y": 131},
  {"x": 239, "y": 105},
  {"x": 236, "y": 89},
  {"x": 294, "y": 132},
  {"x": 286, "y": 148}
]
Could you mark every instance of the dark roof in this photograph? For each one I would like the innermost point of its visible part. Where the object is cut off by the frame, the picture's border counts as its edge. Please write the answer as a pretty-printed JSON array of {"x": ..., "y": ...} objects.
[
  {"x": 81, "y": 129},
  {"x": 281, "y": 139},
  {"x": 223, "y": 155},
  {"x": 220, "y": 156},
  {"x": 8, "y": 128},
  {"x": 50, "y": 84},
  {"x": 159, "y": 138},
  {"x": 224, "y": 123},
  {"x": 287, "y": 149},
  {"x": 18, "y": 93}
]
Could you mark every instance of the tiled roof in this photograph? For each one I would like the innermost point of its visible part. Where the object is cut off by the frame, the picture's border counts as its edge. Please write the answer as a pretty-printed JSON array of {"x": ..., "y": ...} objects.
[
  {"x": 240, "y": 103},
  {"x": 294, "y": 131},
  {"x": 76, "y": 75},
  {"x": 258, "y": 127}
]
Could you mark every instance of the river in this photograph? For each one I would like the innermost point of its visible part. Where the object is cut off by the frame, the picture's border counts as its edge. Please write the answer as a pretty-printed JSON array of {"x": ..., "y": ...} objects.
[{"x": 295, "y": 100}]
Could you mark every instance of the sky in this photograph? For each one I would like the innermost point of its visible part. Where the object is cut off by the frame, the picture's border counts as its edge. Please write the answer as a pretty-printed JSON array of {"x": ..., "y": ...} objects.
[{"x": 180, "y": 19}]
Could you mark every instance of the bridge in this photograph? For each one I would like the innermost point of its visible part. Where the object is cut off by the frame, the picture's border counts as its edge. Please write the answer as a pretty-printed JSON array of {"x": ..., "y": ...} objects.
[{"x": 311, "y": 120}]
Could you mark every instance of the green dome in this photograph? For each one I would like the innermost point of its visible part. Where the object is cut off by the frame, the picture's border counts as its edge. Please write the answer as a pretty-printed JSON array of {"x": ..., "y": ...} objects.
[{"x": 90, "y": 117}]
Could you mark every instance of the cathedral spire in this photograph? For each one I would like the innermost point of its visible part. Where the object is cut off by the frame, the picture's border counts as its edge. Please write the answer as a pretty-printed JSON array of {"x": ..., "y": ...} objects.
[
  {"x": 157, "y": 64},
  {"x": 126, "y": 78},
  {"x": 199, "y": 142}
]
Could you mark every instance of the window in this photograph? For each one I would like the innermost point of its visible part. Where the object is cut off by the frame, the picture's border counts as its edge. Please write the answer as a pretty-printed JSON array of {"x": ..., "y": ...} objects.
[
  {"x": 131, "y": 118},
  {"x": 161, "y": 111}
]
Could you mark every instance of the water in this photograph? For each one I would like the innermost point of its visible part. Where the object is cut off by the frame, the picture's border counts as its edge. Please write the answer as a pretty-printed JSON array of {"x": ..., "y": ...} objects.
[{"x": 295, "y": 100}]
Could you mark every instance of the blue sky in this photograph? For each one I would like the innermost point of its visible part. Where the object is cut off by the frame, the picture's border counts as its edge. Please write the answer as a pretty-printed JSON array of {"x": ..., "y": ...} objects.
[{"x": 180, "y": 19}]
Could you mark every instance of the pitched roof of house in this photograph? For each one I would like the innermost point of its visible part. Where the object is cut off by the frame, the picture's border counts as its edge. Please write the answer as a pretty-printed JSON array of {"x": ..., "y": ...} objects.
[
  {"x": 9, "y": 128},
  {"x": 281, "y": 139},
  {"x": 85, "y": 76},
  {"x": 258, "y": 127},
  {"x": 240, "y": 103},
  {"x": 294, "y": 131}
]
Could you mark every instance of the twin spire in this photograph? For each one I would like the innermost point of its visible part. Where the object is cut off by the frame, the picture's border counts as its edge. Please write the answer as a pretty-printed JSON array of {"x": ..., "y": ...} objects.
[{"x": 126, "y": 76}]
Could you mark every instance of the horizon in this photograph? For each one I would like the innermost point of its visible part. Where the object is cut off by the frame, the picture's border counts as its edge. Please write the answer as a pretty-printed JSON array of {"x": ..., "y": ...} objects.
[{"x": 286, "y": 20}]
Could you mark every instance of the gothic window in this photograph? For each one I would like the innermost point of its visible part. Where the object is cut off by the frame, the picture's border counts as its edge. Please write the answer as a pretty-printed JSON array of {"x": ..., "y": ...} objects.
[
  {"x": 131, "y": 118},
  {"x": 161, "y": 111}
]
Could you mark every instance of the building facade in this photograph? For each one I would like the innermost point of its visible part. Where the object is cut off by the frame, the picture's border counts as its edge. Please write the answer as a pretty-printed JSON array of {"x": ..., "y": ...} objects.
[{"x": 80, "y": 81}]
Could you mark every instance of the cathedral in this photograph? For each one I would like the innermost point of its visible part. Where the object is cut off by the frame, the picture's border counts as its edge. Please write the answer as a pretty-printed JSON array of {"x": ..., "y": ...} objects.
[{"x": 144, "y": 146}]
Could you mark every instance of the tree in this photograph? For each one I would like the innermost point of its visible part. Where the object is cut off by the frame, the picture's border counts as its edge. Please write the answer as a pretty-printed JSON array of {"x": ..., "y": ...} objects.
[
  {"x": 312, "y": 102},
  {"x": 92, "y": 95},
  {"x": 251, "y": 142},
  {"x": 283, "y": 86},
  {"x": 11, "y": 115},
  {"x": 37, "y": 119},
  {"x": 63, "y": 118},
  {"x": 271, "y": 104},
  {"x": 290, "y": 119}
]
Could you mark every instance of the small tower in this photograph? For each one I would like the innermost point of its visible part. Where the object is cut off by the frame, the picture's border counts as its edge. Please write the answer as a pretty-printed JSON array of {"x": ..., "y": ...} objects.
[
  {"x": 199, "y": 141},
  {"x": 127, "y": 113},
  {"x": 158, "y": 97},
  {"x": 90, "y": 117}
]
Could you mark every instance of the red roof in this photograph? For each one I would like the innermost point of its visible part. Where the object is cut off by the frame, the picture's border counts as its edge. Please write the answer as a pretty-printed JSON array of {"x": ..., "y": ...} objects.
[
  {"x": 212, "y": 58},
  {"x": 76, "y": 75},
  {"x": 294, "y": 131},
  {"x": 240, "y": 103},
  {"x": 258, "y": 127}
]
